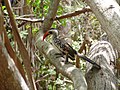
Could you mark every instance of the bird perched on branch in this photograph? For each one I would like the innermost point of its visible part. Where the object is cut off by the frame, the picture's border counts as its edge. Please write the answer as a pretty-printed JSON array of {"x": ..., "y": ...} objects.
[{"x": 65, "y": 48}]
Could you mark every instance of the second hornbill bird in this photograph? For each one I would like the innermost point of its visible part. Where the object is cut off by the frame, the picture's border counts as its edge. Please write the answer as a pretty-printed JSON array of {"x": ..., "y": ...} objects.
[{"x": 65, "y": 48}]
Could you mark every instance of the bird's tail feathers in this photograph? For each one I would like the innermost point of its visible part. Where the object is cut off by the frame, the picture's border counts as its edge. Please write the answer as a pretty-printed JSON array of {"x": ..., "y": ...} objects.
[{"x": 89, "y": 60}]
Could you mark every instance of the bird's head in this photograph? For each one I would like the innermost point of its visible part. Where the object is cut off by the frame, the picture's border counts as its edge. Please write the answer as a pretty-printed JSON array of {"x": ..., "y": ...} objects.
[{"x": 50, "y": 32}]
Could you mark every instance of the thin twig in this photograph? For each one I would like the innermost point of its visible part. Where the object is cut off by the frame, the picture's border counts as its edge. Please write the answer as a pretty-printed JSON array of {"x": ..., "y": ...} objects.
[{"x": 74, "y": 13}]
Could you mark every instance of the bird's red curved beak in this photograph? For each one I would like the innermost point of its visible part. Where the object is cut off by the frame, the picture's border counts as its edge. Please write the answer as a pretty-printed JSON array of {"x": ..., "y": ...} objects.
[{"x": 45, "y": 35}]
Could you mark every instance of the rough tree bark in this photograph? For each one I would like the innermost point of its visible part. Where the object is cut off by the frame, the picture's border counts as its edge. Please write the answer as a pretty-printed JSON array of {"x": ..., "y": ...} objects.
[
  {"x": 104, "y": 79},
  {"x": 10, "y": 77},
  {"x": 108, "y": 14}
]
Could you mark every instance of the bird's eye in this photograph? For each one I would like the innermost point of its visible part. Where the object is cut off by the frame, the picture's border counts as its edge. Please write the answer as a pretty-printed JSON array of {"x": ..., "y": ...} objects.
[{"x": 50, "y": 32}]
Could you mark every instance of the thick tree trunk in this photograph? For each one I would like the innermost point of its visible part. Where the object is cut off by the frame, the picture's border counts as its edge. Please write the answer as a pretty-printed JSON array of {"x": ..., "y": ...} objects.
[
  {"x": 108, "y": 14},
  {"x": 10, "y": 78},
  {"x": 104, "y": 79}
]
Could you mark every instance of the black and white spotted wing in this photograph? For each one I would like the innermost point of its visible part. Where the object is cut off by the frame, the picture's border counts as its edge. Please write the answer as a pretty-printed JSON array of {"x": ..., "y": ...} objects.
[{"x": 64, "y": 47}]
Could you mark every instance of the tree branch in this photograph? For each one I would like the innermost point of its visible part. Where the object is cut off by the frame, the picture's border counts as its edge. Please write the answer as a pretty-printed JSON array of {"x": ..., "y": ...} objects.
[
  {"x": 74, "y": 13},
  {"x": 21, "y": 47},
  {"x": 29, "y": 20},
  {"x": 104, "y": 79},
  {"x": 69, "y": 15},
  {"x": 50, "y": 15},
  {"x": 67, "y": 70},
  {"x": 9, "y": 48},
  {"x": 108, "y": 14}
]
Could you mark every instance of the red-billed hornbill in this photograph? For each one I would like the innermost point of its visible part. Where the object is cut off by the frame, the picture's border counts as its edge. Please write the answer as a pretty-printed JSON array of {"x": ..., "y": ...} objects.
[{"x": 65, "y": 48}]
